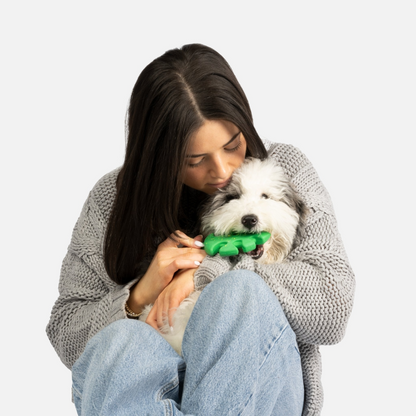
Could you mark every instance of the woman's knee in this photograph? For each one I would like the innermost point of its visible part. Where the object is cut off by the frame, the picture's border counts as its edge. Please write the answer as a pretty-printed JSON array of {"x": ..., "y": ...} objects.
[
  {"x": 120, "y": 332},
  {"x": 124, "y": 337},
  {"x": 239, "y": 281},
  {"x": 248, "y": 292},
  {"x": 107, "y": 342},
  {"x": 242, "y": 283}
]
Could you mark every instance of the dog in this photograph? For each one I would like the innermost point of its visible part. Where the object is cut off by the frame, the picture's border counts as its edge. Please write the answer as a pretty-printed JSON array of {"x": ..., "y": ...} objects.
[{"x": 258, "y": 198}]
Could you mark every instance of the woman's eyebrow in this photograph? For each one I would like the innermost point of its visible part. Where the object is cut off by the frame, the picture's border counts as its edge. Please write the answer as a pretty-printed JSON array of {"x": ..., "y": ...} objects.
[{"x": 226, "y": 144}]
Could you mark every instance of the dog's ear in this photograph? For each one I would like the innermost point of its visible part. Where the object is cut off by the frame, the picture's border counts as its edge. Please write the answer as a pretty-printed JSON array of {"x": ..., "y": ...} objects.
[{"x": 207, "y": 206}]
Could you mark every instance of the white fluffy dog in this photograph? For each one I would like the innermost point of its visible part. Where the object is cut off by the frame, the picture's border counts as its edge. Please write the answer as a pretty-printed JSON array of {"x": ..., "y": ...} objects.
[{"x": 259, "y": 198}]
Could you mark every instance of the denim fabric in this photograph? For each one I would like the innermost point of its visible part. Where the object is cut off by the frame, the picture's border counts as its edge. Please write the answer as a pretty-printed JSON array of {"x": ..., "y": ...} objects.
[{"x": 240, "y": 357}]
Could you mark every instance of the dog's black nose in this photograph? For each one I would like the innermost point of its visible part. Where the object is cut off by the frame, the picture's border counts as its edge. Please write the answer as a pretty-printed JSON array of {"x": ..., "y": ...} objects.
[{"x": 249, "y": 221}]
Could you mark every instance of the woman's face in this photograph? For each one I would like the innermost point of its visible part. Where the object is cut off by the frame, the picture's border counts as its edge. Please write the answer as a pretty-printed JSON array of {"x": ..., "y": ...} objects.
[{"x": 217, "y": 148}]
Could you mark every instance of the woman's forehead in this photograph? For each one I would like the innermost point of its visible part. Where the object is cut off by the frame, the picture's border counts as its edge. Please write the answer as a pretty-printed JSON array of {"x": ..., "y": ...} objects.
[{"x": 211, "y": 135}]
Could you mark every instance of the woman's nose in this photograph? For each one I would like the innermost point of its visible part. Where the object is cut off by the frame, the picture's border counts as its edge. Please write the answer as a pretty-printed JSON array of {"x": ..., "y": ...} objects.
[{"x": 220, "y": 168}]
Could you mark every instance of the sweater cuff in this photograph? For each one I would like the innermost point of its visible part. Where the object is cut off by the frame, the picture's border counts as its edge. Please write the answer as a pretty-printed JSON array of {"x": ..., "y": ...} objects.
[
  {"x": 119, "y": 298},
  {"x": 210, "y": 269}
]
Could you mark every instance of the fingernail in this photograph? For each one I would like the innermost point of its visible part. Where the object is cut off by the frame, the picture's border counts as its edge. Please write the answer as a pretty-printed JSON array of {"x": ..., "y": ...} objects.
[
  {"x": 199, "y": 244},
  {"x": 171, "y": 329},
  {"x": 197, "y": 262}
]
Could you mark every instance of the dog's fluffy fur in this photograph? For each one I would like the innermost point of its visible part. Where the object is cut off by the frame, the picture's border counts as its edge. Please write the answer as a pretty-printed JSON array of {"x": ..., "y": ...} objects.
[
  {"x": 181, "y": 317},
  {"x": 258, "y": 198}
]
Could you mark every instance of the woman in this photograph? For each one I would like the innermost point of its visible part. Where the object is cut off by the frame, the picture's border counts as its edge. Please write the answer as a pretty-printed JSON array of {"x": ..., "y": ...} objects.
[{"x": 136, "y": 242}]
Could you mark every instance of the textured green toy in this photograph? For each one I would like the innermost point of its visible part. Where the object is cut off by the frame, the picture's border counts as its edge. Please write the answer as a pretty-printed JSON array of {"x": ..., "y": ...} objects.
[{"x": 228, "y": 245}]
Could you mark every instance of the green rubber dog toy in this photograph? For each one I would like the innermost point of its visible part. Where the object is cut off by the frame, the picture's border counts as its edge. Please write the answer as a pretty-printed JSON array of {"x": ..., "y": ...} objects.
[{"x": 228, "y": 245}]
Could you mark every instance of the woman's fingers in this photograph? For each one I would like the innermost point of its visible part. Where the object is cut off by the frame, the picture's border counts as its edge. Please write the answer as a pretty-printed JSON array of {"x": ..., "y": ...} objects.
[
  {"x": 162, "y": 311},
  {"x": 170, "y": 298},
  {"x": 168, "y": 260},
  {"x": 157, "y": 317},
  {"x": 171, "y": 309},
  {"x": 166, "y": 255},
  {"x": 167, "y": 306},
  {"x": 152, "y": 317},
  {"x": 179, "y": 238},
  {"x": 163, "y": 305},
  {"x": 181, "y": 263}
]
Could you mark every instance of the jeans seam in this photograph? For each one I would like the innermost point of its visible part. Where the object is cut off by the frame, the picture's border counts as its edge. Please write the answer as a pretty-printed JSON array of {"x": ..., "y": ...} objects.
[
  {"x": 75, "y": 390},
  {"x": 168, "y": 387},
  {"x": 168, "y": 408},
  {"x": 272, "y": 344}
]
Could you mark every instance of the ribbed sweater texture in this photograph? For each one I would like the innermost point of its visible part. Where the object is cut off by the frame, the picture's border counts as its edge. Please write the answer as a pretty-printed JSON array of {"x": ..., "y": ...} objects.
[{"x": 315, "y": 285}]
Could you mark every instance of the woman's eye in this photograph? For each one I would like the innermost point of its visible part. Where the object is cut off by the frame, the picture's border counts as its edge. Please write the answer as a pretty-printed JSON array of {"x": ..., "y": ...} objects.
[
  {"x": 265, "y": 196},
  {"x": 235, "y": 148},
  {"x": 195, "y": 165}
]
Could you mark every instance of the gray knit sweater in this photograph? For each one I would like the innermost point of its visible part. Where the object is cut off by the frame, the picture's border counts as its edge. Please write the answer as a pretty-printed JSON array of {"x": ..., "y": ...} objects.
[{"x": 315, "y": 286}]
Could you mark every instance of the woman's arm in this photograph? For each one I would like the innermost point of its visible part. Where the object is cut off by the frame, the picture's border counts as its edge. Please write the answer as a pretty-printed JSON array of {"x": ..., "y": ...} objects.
[
  {"x": 315, "y": 285},
  {"x": 315, "y": 288},
  {"x": 88, "y": 300}
]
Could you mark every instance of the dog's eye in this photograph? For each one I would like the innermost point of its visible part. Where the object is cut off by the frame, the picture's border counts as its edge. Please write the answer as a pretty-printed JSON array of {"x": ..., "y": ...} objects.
[
  {"x": 265, "y": 196},
  {"x": 231, "y": 197}
]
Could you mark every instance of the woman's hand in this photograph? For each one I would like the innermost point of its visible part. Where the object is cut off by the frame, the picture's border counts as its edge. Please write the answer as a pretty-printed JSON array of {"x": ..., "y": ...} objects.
[
  {"x": 181, "y": 286},
  {"x": 168, "y": 259}
]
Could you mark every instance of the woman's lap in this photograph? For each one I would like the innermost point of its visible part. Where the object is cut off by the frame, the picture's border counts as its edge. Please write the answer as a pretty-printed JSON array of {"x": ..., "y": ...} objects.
[{"x": 241, "y": 358}]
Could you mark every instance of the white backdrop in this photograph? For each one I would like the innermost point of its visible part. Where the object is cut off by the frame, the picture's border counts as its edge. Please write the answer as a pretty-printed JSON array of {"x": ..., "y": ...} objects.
[{"x": 336, "y": 79}]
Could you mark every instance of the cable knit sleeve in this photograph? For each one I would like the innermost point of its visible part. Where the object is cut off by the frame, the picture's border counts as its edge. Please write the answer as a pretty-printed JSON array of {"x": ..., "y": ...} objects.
[
  {"x": 88, "y": 300},
  {"x": 315, "y": 285}
]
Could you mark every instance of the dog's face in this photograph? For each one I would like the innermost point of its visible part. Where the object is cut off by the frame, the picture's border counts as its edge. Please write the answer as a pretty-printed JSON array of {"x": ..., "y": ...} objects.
[{"x": 258, "y": 198}]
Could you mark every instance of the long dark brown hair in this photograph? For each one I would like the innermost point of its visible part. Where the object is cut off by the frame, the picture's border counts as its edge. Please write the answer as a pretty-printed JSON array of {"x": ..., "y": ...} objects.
[{"x": 171, "y": 99}]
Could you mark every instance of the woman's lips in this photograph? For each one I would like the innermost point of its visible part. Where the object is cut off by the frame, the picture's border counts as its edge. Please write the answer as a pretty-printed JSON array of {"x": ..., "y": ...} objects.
[{"x": 220, "y": 184}]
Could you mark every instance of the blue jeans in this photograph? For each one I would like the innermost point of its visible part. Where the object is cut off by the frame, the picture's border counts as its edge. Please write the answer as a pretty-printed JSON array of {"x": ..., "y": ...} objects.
[{"x": 240, "y": 357}]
